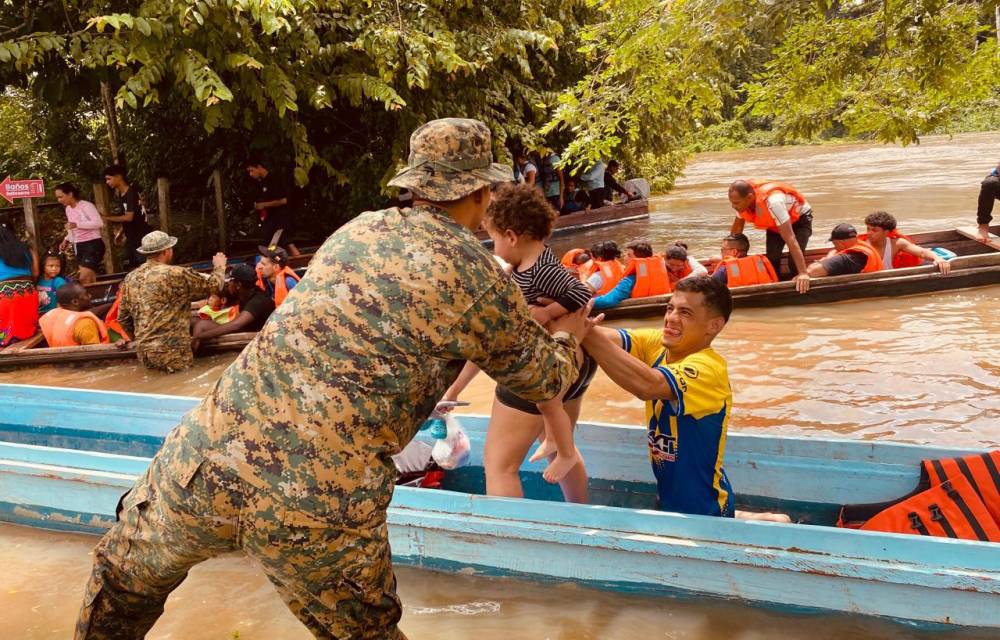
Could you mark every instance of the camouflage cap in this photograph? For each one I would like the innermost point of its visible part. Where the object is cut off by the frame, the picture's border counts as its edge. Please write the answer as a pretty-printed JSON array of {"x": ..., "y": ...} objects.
[
  {"x": 449, "y": 159},
  {"x": 155, "y": 242}
]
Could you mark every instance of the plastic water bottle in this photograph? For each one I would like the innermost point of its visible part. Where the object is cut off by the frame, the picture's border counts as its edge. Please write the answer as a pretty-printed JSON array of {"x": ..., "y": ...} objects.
[{"x": 944, "y": 254}]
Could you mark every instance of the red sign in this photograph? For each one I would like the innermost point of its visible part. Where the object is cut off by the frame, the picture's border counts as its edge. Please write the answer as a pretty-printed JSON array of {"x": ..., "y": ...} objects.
[{"x": 11, "y": 189}]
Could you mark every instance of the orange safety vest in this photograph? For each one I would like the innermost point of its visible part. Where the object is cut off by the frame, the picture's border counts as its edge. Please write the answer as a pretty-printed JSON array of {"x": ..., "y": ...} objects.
[
  {"x": 280, "y": 288},
  {"x": 569, "y": 256},
  {"x": 956, "y": 498},
  {"x": 902, "y": 259},
  {"x": 760, "y": 216},
  {"x": 111, "y": 317},
  {"x": 748, "y": 270},
  {"x": 874, "y": 259},
  {"x": 611, "y": 270},
  {"x": 651, "y": 277},
  {"x": 57, "y": 326}
]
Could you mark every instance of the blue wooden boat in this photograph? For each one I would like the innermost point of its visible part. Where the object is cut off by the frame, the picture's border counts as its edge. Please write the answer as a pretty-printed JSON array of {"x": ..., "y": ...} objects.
[{"x": 66, "y": 456}]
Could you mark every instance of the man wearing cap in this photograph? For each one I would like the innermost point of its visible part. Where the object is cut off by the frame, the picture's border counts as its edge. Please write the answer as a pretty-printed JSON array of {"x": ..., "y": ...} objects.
[
  {"x": 849, "y": 255},
  {"x": 274, "y": 277},
  {"x": 156, "y": 303},
  {"x": 255, "y": 307},
  {"x": 289, "y": 457}
]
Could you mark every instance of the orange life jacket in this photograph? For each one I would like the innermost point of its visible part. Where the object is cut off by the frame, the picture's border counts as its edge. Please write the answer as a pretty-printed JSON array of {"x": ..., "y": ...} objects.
[
  {"x": 569, "y": 256},
  {"x": 748, "y": 270},
  {"x": 956, "y": 498},
  {"x": 651, "y": 277},
  {"x": 674, "y": 279},
  {"x": 874, "y": 259},
  {"x": 57, "y": 326},
  {"x": 612, "y": 272},
  {"x": 280, "y": 288},
  {"x": 760, "y": 215},
  {"x": 111, "y": 317},
  {"x": 902, "y": 259}
]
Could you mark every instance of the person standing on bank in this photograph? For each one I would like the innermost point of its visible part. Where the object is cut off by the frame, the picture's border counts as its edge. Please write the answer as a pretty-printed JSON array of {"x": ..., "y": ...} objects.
[
  {"x": 156, "y": 303},
  {"x": 271, "y": 203},
  {"x": 553, "y": 180},
  {"x": 83, "y": 232},
  {"x": 288, "y": 458},
  {"x": 989, "y": 193},
  {"x": 133, "y": 216},
  {"x": 784, "y": 214}
]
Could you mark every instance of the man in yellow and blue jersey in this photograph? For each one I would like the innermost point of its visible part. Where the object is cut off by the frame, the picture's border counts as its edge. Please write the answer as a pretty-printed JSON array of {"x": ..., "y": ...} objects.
[{"x": 686, "y": 388}]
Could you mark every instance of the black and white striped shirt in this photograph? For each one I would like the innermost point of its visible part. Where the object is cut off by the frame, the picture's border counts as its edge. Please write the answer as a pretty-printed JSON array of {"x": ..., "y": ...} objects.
[{"x": 548, "y": 278}]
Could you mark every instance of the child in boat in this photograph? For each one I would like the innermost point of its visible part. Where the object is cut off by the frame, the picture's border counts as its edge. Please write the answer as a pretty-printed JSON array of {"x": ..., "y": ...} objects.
[
  {"x": 217, "y": 310},
  {"x": 519, "y": 221},
  {"x": 49, "y": 283}
]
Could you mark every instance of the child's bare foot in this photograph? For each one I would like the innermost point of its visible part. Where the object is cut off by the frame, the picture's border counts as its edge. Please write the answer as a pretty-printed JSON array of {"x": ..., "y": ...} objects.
[
  {"x": 762, "y": 516},
  {"x": 546, "y": 449},
  {"x": 561, "y": 465}
]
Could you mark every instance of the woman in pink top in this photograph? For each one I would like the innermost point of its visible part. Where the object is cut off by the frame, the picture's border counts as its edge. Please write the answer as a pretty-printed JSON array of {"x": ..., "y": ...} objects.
[{"x": 83, "y": 231}]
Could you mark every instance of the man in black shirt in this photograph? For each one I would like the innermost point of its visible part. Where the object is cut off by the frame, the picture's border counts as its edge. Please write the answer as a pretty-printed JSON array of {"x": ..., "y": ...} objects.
[
  {"x": 271, "y": 203},
  {"x": 611, "y": 185},
  {"x": 848, "y": 256},
  {"x": 133, "y": 216},
  {"x": 255, "y": 307}
]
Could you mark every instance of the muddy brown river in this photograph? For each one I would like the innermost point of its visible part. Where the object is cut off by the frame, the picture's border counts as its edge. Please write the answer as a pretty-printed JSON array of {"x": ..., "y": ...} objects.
[{"x": 915, "y": 369}]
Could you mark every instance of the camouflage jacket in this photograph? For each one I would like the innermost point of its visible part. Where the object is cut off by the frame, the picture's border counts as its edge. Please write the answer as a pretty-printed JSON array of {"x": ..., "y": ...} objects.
[
  {"x": 346, "y": 370},
  {"x": 156, "y": 303}
]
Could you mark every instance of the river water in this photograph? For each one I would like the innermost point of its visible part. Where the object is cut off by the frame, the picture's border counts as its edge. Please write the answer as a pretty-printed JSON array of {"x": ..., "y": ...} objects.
[{"x": 915, "y": 369}]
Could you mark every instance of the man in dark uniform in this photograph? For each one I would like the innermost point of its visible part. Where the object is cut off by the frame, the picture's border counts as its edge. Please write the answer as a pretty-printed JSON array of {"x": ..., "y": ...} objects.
[
  {"x": 289, "y": 457},
  {"x": 271, "y": 202}
]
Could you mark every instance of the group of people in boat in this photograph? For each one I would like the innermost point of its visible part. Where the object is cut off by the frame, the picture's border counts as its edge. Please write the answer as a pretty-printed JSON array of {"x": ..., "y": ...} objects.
[
  {"x": 592, "y": 188},
  {"x": 30, "y": 285},
  {"x": 785, "y": 216}
]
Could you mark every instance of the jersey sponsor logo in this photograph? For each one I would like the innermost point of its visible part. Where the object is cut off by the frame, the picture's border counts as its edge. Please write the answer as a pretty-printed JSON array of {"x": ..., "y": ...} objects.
[
  {"x": 662, "y": 447},
  {"x": 690, "y": 371}
]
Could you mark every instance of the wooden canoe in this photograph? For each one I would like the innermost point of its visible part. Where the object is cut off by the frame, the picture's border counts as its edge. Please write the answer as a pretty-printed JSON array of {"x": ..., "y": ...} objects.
[
  {"x": 977, "y": 265},
  {"x": 31, "y": 355},
  {"x": 600, "y": 217},
  {"x": 67, "y": 455}
]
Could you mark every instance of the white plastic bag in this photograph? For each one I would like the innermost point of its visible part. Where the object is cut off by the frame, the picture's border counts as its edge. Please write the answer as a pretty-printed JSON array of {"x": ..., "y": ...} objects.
[{"x": 452, "y": 451}]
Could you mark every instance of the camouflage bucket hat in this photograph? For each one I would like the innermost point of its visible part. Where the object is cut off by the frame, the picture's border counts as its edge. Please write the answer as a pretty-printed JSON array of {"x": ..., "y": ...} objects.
[{"x": 449, "y": 159}]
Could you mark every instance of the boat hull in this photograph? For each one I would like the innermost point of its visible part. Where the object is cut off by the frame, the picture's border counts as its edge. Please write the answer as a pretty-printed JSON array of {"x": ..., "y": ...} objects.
[{"x": 66, "y": 456}]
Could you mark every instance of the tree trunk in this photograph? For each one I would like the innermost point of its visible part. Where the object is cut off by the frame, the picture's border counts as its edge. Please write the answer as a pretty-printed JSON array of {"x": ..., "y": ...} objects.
[{"x": 112, "y": 117}]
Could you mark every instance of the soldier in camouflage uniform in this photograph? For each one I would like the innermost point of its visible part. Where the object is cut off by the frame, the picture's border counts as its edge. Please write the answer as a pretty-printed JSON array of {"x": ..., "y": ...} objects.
[
  {"x": 156, "y": 303},
  {"x": 288, "y": 458}
]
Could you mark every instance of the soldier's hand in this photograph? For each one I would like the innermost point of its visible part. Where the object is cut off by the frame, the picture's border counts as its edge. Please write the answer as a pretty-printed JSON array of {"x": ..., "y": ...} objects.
[
  {"x": 575, "y": 323},
  {"x": 219, "y": 260}
]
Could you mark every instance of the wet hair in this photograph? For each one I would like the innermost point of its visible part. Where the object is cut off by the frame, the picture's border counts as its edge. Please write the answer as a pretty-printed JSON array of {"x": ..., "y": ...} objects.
[
  {"x": 716, "y": 294},
  {"x": 641, "y": 249},
  {"x": 741, "y": 241},
  {"x": 523, "y": 209},
  {"x": 741, "y": 187},
  {"x": 69, "y": 188},
  {"x": 256, "y": 160},
  {"x": 677, "y": 251},
  {"x": 606, "y": 250},
  {"x": 68, "y": 292},
  {"x": 13, "y": 252},
  {"x": 116, "y": 170},
  {"x": 882, "y": 220},
  {"x": 582, "y": 258}
]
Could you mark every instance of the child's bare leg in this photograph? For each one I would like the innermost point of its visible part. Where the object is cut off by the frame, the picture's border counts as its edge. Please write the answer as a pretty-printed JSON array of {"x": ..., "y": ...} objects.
[
  {"x": 508, "y": 438},
  {"x": 549, "y": 445},
  {"x": 559, "y": 429},
  {"x": 764, "y": 516}
]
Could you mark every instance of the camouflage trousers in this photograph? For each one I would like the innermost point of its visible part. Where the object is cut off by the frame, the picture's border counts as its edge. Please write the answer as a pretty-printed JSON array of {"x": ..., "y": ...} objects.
[
  {"x": 337, "y": 580},
  {"x": 168, "y": 360}
]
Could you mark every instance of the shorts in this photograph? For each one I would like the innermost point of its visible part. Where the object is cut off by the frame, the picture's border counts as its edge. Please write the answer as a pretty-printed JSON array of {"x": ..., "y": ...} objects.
[
  {"x": 576, "y": 390},
  {"x": 90, "y": 253},
  {"x": 274, "y": 222}
]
